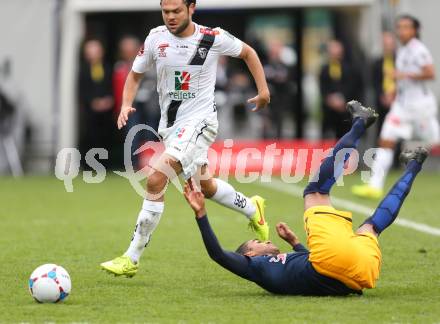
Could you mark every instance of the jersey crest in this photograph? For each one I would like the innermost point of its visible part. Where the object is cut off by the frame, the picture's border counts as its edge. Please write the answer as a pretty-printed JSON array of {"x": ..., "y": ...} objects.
[
  {"x": 203, "y": 52},
  {"x": 162, "y": 49},
  {"x": 203, "y": 48}
]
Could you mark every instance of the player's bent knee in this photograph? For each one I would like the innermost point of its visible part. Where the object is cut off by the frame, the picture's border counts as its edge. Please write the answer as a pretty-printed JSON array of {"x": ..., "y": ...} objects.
[{"x": 156, "y": 182}]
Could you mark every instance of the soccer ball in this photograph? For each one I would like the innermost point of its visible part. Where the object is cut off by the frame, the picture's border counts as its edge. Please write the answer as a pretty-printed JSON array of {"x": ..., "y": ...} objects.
[{"x": 49, "y": 283}]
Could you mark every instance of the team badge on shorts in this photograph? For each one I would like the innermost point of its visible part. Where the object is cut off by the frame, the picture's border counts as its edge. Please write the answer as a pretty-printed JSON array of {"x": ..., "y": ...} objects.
[{"x": 180, "y": 131}]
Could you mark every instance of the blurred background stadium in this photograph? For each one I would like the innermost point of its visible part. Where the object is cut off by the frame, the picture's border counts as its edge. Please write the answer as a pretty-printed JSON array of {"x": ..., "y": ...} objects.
[{"x": 44, "y": 94}]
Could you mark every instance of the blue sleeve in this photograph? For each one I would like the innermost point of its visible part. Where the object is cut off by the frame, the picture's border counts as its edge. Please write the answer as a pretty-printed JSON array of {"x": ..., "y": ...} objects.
[
  {"x": 234, "y": 262},
  {"x": 300, "y": 248}
]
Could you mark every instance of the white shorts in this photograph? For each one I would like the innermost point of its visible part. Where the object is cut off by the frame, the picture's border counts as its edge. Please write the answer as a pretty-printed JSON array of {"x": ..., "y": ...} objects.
[
  {"x": 412, "y": 122},
  {"x": 189, "y": 143}
]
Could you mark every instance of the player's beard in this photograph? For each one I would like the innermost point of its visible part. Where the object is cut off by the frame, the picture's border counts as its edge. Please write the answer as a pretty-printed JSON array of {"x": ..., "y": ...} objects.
[{"x": 181, "y": 28}]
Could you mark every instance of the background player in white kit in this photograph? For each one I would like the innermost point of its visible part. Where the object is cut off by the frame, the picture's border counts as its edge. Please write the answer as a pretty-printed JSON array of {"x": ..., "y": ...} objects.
[
  {"x": 413, "y": 114},
  {"x": 185, "y": 55}
]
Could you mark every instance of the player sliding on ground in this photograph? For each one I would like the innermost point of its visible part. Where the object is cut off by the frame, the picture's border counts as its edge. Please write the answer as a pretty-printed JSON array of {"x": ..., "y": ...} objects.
[
  {"x": 185, "y": 56},
  {"x": 340, "y": 262}
]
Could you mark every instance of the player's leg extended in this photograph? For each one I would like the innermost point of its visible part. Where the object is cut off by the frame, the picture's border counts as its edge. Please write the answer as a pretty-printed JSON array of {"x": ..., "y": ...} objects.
[
  {"x": 395, "y": 127},
  {"x": 225, "y": 194},
  {"x": 148, "y": 219},
  {"x": 389, "y": 208},
  {"x": 332, "y": 167}
]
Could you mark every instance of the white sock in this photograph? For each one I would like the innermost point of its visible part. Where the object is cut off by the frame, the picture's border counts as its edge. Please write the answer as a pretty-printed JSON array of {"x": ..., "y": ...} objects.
[
  {"x": 228, "y": 197},
  {"x": 381, "y": 166},
  {"x": 147, "y": 221}
]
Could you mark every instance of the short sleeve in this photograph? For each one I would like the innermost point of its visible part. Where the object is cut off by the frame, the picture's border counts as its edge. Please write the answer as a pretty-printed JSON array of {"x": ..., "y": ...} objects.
[
  {"x": 144, "y": 59},
  {"x": 423, "y": 57},
  {"x": 228, "y": 44}
]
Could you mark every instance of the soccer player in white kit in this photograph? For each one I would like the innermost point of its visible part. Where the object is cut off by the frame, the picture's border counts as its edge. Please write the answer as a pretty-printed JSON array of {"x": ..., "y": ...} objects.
[
  {"x": 413, "y": 114},
  {"x": 185, "y": 55}
]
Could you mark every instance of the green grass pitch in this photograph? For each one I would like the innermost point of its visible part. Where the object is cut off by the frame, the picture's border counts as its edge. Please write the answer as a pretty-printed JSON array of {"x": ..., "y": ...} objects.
[{"x": 177, "y": 283}]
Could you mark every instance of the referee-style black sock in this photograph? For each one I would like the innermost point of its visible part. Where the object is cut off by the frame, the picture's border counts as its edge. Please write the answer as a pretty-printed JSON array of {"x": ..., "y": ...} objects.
[
  {"x": 333, "y": 166},
  {"x": 389, "y": 208}
]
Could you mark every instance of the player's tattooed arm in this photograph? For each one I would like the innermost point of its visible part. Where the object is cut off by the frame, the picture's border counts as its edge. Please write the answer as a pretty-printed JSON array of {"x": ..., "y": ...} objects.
[
  {"x": 249, "y": 55},
  {"x": 130, "y": 89}
]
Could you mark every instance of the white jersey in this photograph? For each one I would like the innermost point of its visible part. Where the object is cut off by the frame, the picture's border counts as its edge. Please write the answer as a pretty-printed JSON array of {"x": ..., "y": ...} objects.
[
  {"x": 186, "y": 71},
  {"x": 411, "y": 58}
]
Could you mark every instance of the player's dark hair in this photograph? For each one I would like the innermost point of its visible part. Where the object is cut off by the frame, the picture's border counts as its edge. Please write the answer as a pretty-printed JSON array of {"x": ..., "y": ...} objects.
[
  {"x": 187, "y": 2},
  {"x": 415, "y": 22},
  {"x": 243, "y": 249}
]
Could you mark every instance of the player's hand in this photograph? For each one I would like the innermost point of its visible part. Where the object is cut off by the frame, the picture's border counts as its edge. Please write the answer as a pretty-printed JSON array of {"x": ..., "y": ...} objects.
[
  {"x": 287, "y": 234},
  {"x": 261, "y": 100},
  {"x": 195, "y": 198},
  {"x": 123, "y": 116}
]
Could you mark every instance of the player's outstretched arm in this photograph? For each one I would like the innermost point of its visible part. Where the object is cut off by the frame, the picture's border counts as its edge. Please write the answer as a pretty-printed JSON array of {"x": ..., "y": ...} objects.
[
  {"x": 234, "y": 262},
  {"x": 290, "y": 237},
  {"x": 249, "y": 55},
  {"x": 130, "y": 89}
]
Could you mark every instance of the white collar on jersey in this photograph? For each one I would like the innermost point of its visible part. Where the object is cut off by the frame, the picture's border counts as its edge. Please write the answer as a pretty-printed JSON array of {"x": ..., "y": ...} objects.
[{"x": 196, "y": 32}]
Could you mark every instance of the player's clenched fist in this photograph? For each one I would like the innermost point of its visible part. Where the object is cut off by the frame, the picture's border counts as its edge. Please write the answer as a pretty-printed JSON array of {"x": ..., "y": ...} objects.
[
  {"x": 123, "y": 116},
  {"x": 287, "y": 234}
]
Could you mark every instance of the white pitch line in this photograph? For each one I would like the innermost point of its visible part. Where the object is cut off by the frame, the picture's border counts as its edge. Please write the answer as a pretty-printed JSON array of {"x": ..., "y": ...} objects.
[{"x": 297, "y": 191}]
